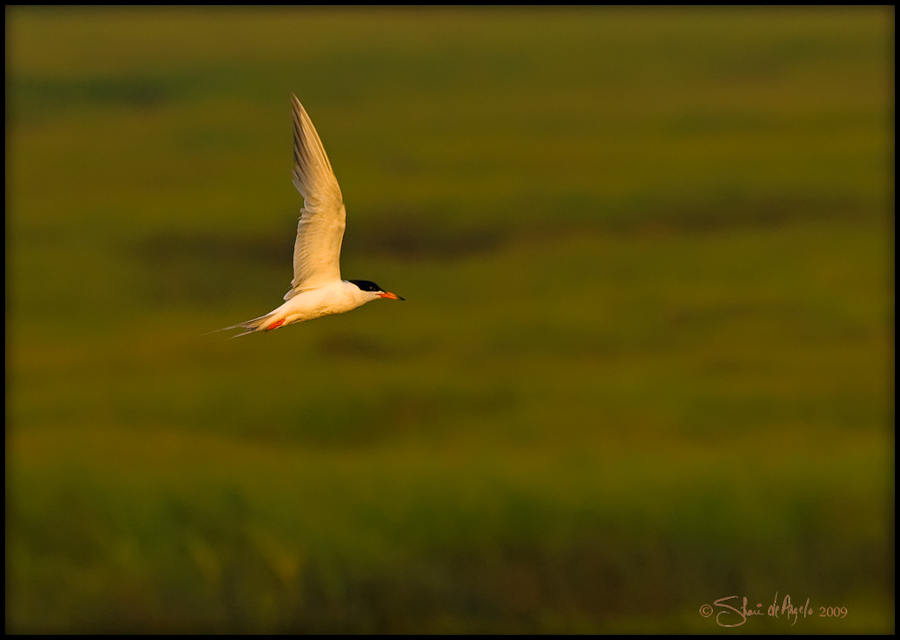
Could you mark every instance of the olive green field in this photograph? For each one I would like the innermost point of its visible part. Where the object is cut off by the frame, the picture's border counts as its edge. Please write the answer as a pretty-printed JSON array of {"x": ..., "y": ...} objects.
[{"x": 645, "y": 359}]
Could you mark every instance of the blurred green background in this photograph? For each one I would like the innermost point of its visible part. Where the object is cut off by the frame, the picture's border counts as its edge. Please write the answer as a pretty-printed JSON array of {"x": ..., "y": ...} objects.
[{"x": 645, "y": 361}]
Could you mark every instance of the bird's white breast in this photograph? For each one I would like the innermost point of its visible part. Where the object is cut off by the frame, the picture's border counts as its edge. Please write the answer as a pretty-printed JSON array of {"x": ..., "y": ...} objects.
[{"x": 336, "y": 297}]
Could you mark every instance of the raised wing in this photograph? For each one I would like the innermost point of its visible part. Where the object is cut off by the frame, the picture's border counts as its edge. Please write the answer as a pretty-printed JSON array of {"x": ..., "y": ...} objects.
[{"x": 317, "y": 249}]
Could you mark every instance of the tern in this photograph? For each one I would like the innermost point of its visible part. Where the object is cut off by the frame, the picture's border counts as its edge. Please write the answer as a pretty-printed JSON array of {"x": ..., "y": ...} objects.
[{"x": 317, "y": 288}]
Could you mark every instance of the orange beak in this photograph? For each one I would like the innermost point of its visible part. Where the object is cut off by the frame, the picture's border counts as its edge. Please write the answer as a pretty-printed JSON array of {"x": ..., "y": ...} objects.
[{"x": 390, "y": 296}]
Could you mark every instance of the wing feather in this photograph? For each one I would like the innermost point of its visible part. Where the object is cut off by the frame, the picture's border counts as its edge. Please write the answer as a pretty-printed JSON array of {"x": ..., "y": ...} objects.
[{"x": 320, "y": 231}]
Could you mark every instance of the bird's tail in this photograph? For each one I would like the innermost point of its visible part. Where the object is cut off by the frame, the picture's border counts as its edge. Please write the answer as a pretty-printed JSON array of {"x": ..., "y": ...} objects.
[{"x": 262, "y": 323}]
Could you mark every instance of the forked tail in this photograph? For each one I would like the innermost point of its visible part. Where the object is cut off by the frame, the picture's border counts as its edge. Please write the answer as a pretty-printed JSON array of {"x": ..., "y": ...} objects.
[{"x": 262, "y": 323}]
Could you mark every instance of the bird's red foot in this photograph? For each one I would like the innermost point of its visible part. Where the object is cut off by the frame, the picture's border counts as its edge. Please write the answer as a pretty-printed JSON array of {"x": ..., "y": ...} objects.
[{"x": 275, "y": 325}]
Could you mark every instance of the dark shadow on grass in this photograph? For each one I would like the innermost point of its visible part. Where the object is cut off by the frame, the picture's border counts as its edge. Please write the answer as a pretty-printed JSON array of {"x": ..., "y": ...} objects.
[
  {"x": 192, "y": 248},
  {"x": 419, "y": 234},
  {"x": 202, "y": 267},
  {"x": 191, "y": 266}
]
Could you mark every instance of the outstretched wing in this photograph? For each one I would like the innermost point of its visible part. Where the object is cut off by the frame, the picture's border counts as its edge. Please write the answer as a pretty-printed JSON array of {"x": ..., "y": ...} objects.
[{"x": 317, "y": 249}]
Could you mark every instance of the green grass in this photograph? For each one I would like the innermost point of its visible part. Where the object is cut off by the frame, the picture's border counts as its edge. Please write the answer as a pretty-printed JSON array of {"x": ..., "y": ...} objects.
[{"x": 645, "y": 360}]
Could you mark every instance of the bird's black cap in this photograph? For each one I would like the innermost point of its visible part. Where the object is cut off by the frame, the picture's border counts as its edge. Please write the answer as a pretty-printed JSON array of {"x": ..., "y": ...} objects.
[{"x": 366, "y": 285}]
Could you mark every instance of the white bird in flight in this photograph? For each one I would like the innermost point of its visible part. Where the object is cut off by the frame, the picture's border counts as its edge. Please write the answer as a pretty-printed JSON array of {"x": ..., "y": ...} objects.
[{"x": 317, "y": 288}]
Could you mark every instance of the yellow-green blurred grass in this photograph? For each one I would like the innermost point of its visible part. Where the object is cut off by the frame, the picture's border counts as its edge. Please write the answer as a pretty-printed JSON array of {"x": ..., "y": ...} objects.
[
  {"x": 643, "y": 363},
  {"x": 206, "y": 541}
]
